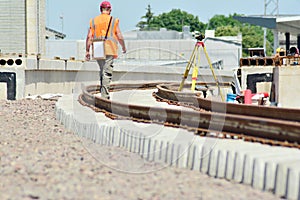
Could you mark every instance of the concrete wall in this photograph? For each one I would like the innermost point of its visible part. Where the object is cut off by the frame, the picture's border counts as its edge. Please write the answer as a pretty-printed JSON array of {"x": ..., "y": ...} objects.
[
  {"x": 149, "y": 50},
  {"x": 287, "y": 87},
  {"x": 147, "y": 73},
  {"x": 19, "y": 70},
  {"x": 285, "y": 80},
  {"x": 35, "y": 26},
  {"x": 245, "y": 71},
  {"x": 41, "y": 76},
  {"x": 44, "y": 76},
  {"x": 65, "y": 49},
  {"x": 58, "y": 76},
  {"x": 227, "y": 51},
  {"x": 22, "y": 25},
  {"x": 12, "y": 26},
  {"x": 138, "y": 49}
]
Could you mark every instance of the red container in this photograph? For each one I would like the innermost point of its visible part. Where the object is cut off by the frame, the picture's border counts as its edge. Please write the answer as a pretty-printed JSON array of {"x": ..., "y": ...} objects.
[{"x": 247, "y": 97}]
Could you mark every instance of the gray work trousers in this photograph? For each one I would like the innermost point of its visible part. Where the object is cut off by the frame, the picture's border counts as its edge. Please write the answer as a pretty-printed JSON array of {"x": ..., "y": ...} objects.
[{"x": 106, "y": 70}]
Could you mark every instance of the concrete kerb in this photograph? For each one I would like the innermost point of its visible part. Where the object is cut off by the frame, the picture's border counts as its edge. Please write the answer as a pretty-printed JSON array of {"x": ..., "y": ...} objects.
[{"x": 273, "y": 169}]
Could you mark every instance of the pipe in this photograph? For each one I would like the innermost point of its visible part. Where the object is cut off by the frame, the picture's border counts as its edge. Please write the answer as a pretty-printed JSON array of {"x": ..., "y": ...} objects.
[
  {"x": 18, "y": 61},
  {"x": 10, "y": 62},
  {"x": 2, "y": 62},
  {"x": 287, "y": 41}
]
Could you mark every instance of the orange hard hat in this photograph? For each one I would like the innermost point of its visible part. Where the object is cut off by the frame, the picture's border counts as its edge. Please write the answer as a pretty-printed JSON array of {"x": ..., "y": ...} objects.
[{"x": 105, "y": 4}]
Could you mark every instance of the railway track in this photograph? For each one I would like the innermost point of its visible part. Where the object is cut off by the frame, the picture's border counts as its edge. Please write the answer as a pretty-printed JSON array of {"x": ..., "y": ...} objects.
[{"x": 267, "y": 125}]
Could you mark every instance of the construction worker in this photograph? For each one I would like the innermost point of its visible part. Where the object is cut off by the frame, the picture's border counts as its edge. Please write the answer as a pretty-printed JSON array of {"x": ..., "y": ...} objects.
[{"x": 105, "y": 27}]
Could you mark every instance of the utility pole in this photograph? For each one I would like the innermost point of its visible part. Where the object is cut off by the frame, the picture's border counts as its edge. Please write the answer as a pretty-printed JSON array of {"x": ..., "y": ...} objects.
[
  {"x": 271, "y": 9},
  {"x": 61, "y": 17}
]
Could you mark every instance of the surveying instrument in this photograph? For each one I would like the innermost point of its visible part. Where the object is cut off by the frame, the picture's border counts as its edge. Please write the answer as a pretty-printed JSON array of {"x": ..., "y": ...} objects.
[{"x": 195, "y": 62}]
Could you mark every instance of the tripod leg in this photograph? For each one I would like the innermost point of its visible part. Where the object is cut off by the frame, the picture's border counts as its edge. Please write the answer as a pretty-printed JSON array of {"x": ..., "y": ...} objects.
[
  {"x": 188, "y": 67},
  {"x": 214, "y": 75},
  {"x": 195, "y": 72}
]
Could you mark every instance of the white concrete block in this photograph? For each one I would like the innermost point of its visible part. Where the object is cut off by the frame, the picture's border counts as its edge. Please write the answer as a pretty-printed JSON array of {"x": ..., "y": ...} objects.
[
  {"x": 98, "y": 136},
  {"x": 151, "y": 150},
  {"x": 245, "y": 71},
  {"x": 74, "y": 65},
  {"x": 119, "y": 138},
  {"x": 135, "y": 143},
  {"x": 177, "y": 155},
  {"x": 205, "y": 159},
  {"x": 181, "y": 156},
  {"x": 264, "y": 167},
  {"x": 164, "y": 154},
  {"x": 105, "y": 138},
  {"x": 196, "y": 155},
  {"x": 20, "y": 79},
  {"x": 287, "y": 86},
  {"x": 131, "y": 142},
  {"x": 213, "y": 163},
  {"x": 293, "y": 181},
  {"x": 94, "y": 131},
  {"x": 127, "y": 141},
  {"x": 287, "y": 180},
  {"x": 110, "y": 134},
  {"x": 122, "y": 138},
  {"x": 140, "y": 145},
  {"x": 148, "y": 149},
  {"x": 134, "y": 147},
  {"x": 31, "y": 64},
  {"x": 221, "y": 165},
  {"x": 191, "y": 156},
  {"x": 229, "y": 169},
  {"x": 45, "y": 64},
  {"x": 156, "y": 151},
  {"x": 239, "y": 167},
  {"x": 168, "y": 153},
  {"x": 173, "y": 157},
  {"x": 142, "y": 148},
  {"x": 3, "y": 90},
  {"x": 90, "y": 66}
]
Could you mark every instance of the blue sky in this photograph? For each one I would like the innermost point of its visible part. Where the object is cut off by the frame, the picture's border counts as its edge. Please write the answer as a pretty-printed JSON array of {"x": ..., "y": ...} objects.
[{"x": 76, "y": 14}]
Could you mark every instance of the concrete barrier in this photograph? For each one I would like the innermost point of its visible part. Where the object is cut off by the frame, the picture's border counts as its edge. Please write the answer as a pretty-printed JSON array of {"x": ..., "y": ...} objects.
[
  {"x": 174, "y": 73},
  {"x": 36, "y": 76},
  {"x": 272, "y": 169},
  {"x": 12, "y": 70},
  {"x": 285, "y": 81},
  {"x": 287, "y": 88}
]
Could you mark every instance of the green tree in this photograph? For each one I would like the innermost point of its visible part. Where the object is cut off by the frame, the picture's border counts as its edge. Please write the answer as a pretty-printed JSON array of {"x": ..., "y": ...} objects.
[
  {"x": 223, "y": 26},
  {"x": 146, "y": 25},
  {"x": 173, "y": 20},
  {"x": 227, "y": 31},
  {"x": 221, "y": 20},
  {"x": 253, "y": 36}
]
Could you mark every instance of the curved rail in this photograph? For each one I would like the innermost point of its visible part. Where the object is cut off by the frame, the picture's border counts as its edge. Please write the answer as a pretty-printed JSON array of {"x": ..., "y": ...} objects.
[
  {"x": 251, "y": 128},
  {"x": 166, "y": 91}
]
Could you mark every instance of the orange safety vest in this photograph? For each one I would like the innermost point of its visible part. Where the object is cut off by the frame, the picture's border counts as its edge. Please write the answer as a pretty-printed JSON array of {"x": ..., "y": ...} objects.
[{"x": 99, "y": 26}]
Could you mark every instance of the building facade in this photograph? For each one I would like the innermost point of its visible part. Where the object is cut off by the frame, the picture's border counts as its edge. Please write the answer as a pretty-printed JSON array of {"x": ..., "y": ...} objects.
[{"x": 23, "y": 26}]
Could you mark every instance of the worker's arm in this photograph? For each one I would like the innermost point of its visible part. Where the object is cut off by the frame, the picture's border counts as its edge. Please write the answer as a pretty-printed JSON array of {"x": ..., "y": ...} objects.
[
  {"x": 88, "y": 43},
  {"x": 121, "y": 39}
]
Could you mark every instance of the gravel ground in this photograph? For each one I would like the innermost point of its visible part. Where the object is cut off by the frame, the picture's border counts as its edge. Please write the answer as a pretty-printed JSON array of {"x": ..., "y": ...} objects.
[{"x": 42, "y": 160}]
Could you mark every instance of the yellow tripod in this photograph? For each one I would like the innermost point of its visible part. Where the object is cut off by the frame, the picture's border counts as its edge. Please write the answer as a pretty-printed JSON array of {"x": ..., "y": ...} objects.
[{"x": 195, "y": 61}]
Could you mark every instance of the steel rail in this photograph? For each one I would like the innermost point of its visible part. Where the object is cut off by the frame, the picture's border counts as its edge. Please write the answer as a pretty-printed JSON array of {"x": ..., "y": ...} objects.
[
  {"x": 265, "y": 130},
  {"x": 167, "y": 91}
]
